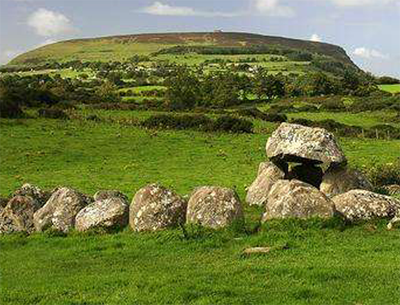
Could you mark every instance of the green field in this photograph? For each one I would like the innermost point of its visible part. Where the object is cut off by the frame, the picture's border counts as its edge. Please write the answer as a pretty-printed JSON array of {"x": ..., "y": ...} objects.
[{"x": 390, "y": 88}]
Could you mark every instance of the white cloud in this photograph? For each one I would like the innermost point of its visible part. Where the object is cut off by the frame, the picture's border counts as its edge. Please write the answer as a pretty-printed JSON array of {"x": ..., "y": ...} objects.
[
  {"x": 369, "y": 53},
  {"x": 273, "y": 8},
  {"x": 48, "y": 23},
  {"x": 7, "y": 55},
  {"x": 161, "y": 9},
  {"x": 315, "y": 38}
]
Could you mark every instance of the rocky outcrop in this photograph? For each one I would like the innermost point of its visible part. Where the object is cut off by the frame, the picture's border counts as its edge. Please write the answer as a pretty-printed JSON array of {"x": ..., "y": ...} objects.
[
  {"x": 341, "y": 180},
  {"x": 362, "y": 204},
  {"x": 298, "y": 199},
  {"x": 106, "y": 194},
  {"x": 214, "y": 207},
  {"x": 154, "y": 207},
  {"x": 297, "y": 143},
  {"x": 17, "y": 216},
  {"x": 110, "y": 213},
  {"x": 268, "y": 174},
  {"x": 34, "y": 192},
  {"x": 60, "y": 210}
]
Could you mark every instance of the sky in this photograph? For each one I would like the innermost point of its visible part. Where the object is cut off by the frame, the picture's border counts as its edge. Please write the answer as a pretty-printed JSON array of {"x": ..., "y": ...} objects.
[{"x": 369, "y": 30}]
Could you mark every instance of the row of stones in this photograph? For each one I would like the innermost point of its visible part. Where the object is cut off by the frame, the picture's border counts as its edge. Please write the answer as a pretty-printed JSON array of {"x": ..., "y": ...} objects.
[{"x": 153, "y": 207}]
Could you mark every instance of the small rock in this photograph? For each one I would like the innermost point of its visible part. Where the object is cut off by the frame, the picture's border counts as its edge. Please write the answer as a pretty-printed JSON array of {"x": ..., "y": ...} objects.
[
  {"x": 60, "y": 210},
  {"x": 257, "y": 250},
  {"x": 108, "y": 213},
  {"x": 294, "y": 198},
  {"x": 154, "y": 207},
  {"x": 341, "y": 180},
  {"x": 106, "y": 194},
  {"x": 297, "y": 143},
  {"x": 268, "y": 174},
  {"x": 33, "y": 191},
  {"x": 362, "y": 204},
  {"x": 393, "y": 189},
  {"x": 17, "y": 216},
  {"x": 214, "y": 207}
]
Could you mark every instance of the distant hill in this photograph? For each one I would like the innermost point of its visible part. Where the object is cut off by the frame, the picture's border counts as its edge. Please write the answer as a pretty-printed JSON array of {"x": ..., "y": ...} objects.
[{"x": 123, "y": 47}]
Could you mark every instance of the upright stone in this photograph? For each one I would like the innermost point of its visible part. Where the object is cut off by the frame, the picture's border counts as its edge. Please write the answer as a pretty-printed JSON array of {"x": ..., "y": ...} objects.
[
  {"x": 154, "y": 207},
  {"x": 339, "y": 180},
  {"x": 294, "y": 198},
  {"x": 268, "y": 174},
  {"x": 297, "y": 143},
  {"x": 214, "y": 207},
  {"x": 60, "y": 210}
]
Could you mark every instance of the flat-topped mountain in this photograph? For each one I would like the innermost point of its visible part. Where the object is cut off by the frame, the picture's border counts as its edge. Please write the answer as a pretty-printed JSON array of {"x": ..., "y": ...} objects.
[{"x": 126, "y": 46}]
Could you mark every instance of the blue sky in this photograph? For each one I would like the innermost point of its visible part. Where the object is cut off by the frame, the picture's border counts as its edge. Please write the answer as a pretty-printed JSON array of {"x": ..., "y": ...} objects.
[{"x": 369, "y": 30}]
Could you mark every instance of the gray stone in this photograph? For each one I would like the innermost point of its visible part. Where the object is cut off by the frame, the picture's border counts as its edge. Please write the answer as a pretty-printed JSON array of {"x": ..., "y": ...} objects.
[
  {"x": 17, "y": 216},
  {"x": 297, "y": 143},
  {"x": 110, "y": 213},
  {"x": 34, "y": 192},
  {"x": 294, "y": 198},
  {"x": 362, "y": 204},
  {"x": 341, "y": 180},
  {"x": 268, "y": 174},
  {"x": 106, "y": 194},
  {"x": 60, "y": 210},
  {"x": 154, "y": 207},
  {"x": 214, "y": 207}
]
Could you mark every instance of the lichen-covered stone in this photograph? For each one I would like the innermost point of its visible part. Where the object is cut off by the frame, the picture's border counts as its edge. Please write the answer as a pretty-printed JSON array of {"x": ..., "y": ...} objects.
[
  {"x": 34, "y": 192},
  {"x": 3, "y": 202},
  {"x": 17, "y": 216},
  {"x": 109, "y": 213},
  {"x": 268, "y": 174},
  {"x": 297, "y": 143},
  {"x": 60, "y": 210},
  {"x": 214, "y": 207},
  {"x": 154, "y": 207},
  {"x": 294, "y": 198},
  {"x": 341, "y": 180},
  {"x": 106, "y": 194},
  {"x": 362, "y": 204}
]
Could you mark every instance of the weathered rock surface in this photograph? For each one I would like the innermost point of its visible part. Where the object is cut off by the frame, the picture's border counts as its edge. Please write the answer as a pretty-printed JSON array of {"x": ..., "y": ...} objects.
[
  {"x": 308, "y": 173},
  {"x": 154, "y": 207},
  {"x": 17, "y": 216},
  {"x": 60, "y": 210},
  {"x": 362, "y": 204},
  {"x": 109, "y": 213},
  {"x": 341, "y": 180},
  {"x": 33, "y": 192},
  {"x": 294, "y": 198},
  {"x": 214, "y": 207},
  {"x": 106, "y": 194},
  {"x": 268, "y": 174},
  {"x": 297, "y": 143}
]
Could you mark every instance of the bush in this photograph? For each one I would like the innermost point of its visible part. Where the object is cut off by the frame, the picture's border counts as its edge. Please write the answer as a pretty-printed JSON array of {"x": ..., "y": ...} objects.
[
  {"x": 52, "y": 113},
  {"x": 198, "y": 122},
  {"x": 10, "y": 110},
  {"x": 258, "y": 114}
]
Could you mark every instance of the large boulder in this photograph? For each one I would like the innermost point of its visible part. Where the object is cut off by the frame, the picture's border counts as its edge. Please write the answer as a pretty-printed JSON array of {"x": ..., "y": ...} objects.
[
  {"x": 294, "y": 198},
  {"x": 154, "y": 207},
  {"x": 297, "y": 143},
  {"x": 17, "y": 216},
  {"x": 362, "y": 204},
  {"x": 339, "y": 180},
  {"x": 214, "y": 207},
  {"x": 34, "y": 192},
  {"x": 268, "y": 174},
  {"x": 110, "y": 213},
  {"x": 106, "y": 194},
  {"x": 60, "y": 210}
]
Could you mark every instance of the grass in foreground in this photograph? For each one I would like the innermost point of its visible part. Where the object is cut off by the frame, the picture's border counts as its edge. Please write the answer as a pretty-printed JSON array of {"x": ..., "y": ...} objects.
[{"x": 311, "y": 262}]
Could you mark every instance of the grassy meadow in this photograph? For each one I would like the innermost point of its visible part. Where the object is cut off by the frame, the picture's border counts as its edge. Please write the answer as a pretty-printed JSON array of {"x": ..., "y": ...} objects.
[{"x": 390, "y": 88}]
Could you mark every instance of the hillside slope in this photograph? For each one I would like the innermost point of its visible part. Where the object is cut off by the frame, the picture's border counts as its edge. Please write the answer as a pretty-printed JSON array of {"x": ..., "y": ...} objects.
[{"x": 124, "y": 47}]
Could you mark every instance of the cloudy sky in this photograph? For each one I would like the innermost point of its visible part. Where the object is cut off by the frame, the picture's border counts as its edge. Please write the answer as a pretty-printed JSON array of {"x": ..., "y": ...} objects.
[{"x": 369, "y": 30}]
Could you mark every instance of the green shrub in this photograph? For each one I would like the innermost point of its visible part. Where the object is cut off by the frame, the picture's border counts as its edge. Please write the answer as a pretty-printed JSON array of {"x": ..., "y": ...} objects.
[{"x": 52, "y": 113}]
